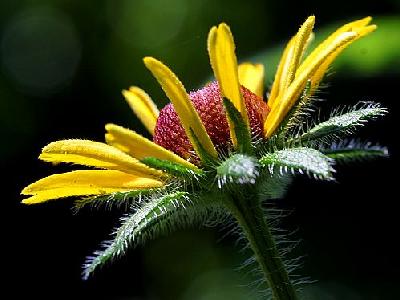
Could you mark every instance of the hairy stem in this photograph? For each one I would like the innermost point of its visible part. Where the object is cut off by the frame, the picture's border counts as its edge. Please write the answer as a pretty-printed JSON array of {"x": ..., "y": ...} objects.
[{"x": 246, "y": 208}]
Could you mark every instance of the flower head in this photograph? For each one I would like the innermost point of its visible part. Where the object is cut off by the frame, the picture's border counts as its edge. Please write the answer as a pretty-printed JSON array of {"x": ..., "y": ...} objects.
[{"x": 226, "y": 133}]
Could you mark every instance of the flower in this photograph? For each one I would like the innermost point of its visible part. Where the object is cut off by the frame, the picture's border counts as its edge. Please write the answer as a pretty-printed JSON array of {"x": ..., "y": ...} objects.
[
  {"x": 196, "y": 121},
  {"x": 220, "y": 150}
]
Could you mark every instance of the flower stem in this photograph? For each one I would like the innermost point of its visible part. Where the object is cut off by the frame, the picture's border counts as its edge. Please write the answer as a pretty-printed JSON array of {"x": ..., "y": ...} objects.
[{"x": 246, "y": 208}]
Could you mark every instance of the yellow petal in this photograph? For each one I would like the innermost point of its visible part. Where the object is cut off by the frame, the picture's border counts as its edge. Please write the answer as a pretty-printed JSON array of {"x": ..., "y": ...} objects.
[
  {"x": 251, "y": 76},
  {"x": 275, "y": 89},
  {"x": 95, "y": 154},
  {"x": 142, "y": 105},
  {"x": 221, "y": 49},
  {"x": 295, "y": 53},
  {"x": 286, "y": 100},
  {"x": 283, "y": 64},
  {"x": 85, "y": 182},
  {"x": 176, "y": 92},
  {"x": 319, "y": 74},
  {"x": 354, "y": 26},
  {"x": 139, "y": 147}
]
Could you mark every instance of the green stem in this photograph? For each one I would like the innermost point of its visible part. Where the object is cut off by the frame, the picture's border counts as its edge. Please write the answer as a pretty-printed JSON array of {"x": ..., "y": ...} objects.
[{"x": 246, "y": 208}]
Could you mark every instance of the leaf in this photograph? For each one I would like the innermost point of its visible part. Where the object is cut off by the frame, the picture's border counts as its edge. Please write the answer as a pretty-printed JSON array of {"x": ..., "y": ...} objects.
[
  {"x": 240, "y": 128},
  {"x": 345, "y": 123},
  {"x": 355, "y": 151},
  {"x": 238, "y": 168},
  {"x": 301, "y": 159}
]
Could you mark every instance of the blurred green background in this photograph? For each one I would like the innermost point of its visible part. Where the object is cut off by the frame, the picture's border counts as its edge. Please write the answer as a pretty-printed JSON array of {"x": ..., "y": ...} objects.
[{"x": 63, "y": 65}]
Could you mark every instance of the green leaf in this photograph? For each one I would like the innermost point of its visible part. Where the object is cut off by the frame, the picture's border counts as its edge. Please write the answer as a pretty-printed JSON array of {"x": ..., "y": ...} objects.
[
  {"x": 172, "y": 168},
  {"x": 238, "y": 168},
  {"x": 241, "y": 130},
  {"x": 345, "y": 123},
  {"x": 301, "y": 160},
  {"x": 355, "y": 151},
  {"x": 134, "y": 228}
]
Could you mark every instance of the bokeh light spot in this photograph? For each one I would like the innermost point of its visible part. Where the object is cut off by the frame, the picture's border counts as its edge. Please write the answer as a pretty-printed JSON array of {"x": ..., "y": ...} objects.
[
  {"x": 40, "y": 50},
  {"x": 147, "y": 24}
]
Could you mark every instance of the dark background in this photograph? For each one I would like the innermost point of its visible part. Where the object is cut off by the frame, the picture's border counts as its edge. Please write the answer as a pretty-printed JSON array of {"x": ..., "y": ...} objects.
[{"x": 63, "y": 65}]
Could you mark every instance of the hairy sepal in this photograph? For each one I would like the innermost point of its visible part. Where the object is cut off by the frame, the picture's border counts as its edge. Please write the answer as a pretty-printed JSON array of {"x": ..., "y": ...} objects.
[
  {"x": 299, "y": 160},
  {"x": 242, "y": 132},
  {"x": 352, "y": 150},
  {"x": 344, "y": 122},
  {"x": 238, "y": 169},
  {"x": 117, "y": 199},
  {"x": 171, "y": 168},
  {"x": 157, "y": 216}
]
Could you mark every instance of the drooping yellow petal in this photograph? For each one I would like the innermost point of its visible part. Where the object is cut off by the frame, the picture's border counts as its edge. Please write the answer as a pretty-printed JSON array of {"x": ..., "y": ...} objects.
[
  {"x": 275, "y": 89},
  {"x": 221, "y": 49},
  {"x": 142, "y": 105},
  {"x": 95, "y": 154},
  {"x": 319, "y": 74},
  {"x": 295, "y": 53},
  {"x": 349, "y": 27},
  {"x": 85, "y": 182},
  {"x": 283, "y": 63},
  {"x": 139, "y": 147},
  {"x": 251, "y": 76},
  {"x": 188, "y": 115},
  {"x": 286, "y": 100}
]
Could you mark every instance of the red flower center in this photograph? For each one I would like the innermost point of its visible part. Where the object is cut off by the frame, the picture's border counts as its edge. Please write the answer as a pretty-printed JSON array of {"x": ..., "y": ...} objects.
[{"x": 207, "y": 101}]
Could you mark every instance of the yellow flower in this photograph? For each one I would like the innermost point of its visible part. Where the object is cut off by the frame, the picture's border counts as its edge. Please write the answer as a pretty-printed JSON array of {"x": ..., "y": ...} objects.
[{"x": 119, "y": 162}]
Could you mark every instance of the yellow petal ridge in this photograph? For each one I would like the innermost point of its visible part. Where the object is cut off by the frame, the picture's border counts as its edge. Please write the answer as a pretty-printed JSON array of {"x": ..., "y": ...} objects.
[
  {"x": 251, "y": 76},
  {"x": 139, "y": 147},
  {"x": 85, "y": 182},
  {"x": 143, "y": 107},
  {"x": 188, "y": 116},
  {"x": 286, "y": 100},
  {"x": 95, "y": 154},
  {"x": 221, "y": 50}
]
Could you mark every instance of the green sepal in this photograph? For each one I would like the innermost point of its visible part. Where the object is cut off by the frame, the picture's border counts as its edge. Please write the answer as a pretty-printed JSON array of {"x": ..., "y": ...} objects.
[
  {"x": 117, "y": 199},
  {"x": 206, "y": 159},
  {"x": 345, "y": 123},
  {"x": 135, "y": 228},
  {"x": 242, "y": 132},
  {"x": 300, "y": 111},
  {"x": 238, "y": 168},
  {"x": 172, "y": 168},
  {"x": 355, "y": 151},
  {"x": 299, "y": 160}
]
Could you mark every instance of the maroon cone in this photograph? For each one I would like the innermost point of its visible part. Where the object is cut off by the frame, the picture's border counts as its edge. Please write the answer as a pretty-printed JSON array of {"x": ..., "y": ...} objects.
[{"x": 207, "y": 101}]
